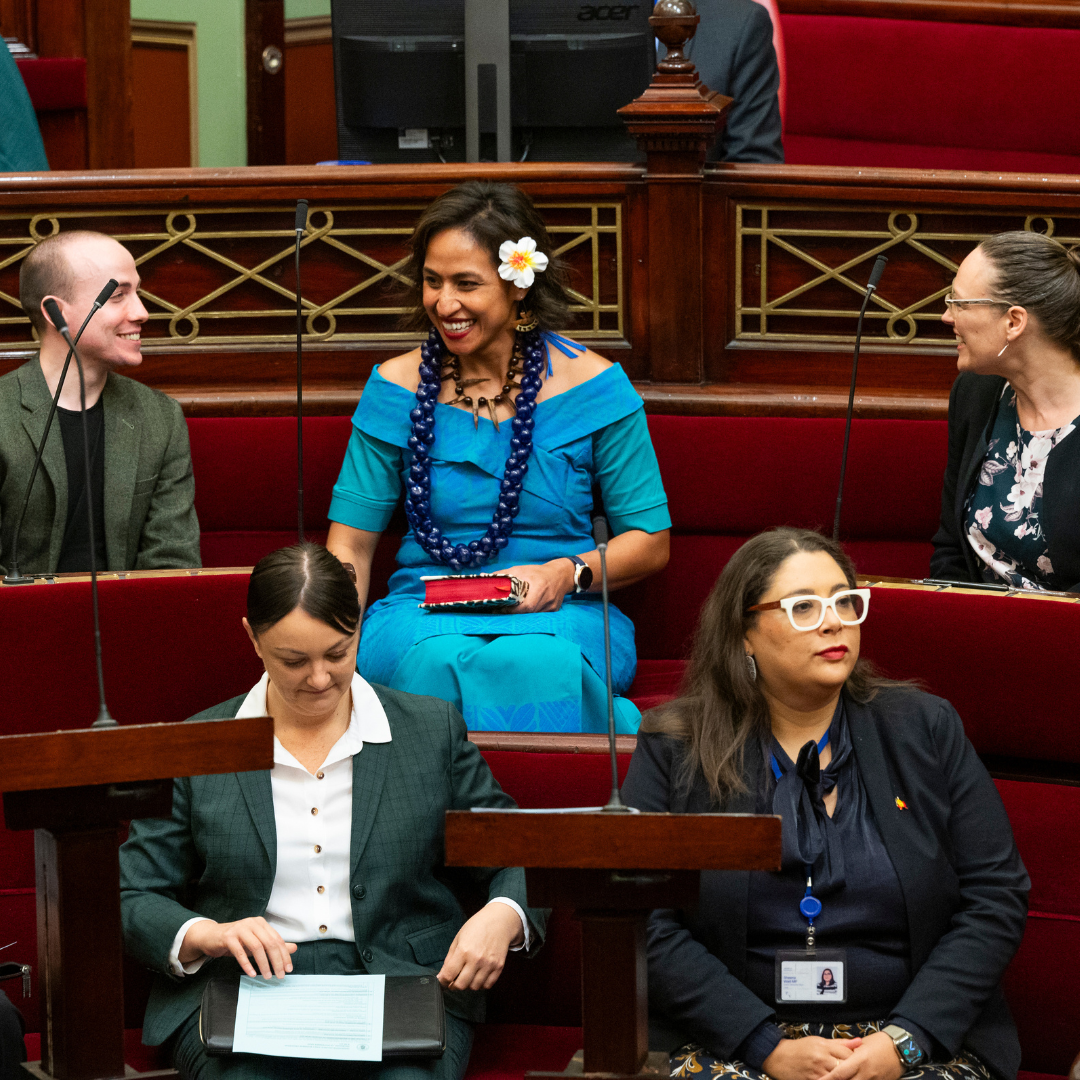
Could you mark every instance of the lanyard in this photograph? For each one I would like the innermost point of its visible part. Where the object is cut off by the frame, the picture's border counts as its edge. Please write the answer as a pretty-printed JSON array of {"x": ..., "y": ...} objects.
[{"x": 809, "y": 905}]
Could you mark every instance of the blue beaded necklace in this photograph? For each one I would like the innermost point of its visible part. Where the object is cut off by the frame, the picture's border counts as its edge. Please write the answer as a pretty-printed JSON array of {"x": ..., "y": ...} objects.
[{"x": 418, "y": 492}]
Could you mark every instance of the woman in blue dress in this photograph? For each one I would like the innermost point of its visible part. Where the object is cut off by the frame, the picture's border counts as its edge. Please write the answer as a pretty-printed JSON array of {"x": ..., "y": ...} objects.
[{"x": 497, "y": 431}]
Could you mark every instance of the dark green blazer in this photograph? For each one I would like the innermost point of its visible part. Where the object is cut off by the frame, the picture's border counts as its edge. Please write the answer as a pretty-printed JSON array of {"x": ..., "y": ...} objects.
[
  {"x": 150, "y": 521},
  {"x": 222, "y": 837}
]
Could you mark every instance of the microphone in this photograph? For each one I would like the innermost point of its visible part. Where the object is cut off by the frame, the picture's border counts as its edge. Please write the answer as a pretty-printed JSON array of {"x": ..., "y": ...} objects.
[
  {"x": 300, "y": 226},
  {"x": 14, "y": 577},
  {"x": 52, "y": 308},
  {"x": 871, "y": 288},
  {"x": 600, "y": 535}
]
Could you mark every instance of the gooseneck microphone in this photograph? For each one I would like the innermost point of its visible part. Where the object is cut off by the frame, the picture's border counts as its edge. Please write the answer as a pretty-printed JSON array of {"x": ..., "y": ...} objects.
[
  {"x": 14, "y": 576},
  {"x": 871, "y": 287},
  {"x": 600, "y": 535},
  {"x": 301, "y": 225},
  {"x": 52, "y": 308}
]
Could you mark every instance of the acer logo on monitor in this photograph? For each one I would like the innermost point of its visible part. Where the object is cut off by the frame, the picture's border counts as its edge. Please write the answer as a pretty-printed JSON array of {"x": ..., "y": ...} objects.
[{"x": 606, "y": 12}]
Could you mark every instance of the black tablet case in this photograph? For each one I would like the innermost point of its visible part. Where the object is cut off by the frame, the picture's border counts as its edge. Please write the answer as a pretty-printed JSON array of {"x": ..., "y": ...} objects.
[{"x": 414, "y": 1022}]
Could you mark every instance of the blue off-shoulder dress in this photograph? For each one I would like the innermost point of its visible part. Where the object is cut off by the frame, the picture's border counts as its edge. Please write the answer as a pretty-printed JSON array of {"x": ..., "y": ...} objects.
[{"x": 541, "y": 671}]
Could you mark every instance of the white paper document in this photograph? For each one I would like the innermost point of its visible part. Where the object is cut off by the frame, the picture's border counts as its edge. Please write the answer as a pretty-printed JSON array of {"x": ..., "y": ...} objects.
[{"x": 338, "y": 1017}]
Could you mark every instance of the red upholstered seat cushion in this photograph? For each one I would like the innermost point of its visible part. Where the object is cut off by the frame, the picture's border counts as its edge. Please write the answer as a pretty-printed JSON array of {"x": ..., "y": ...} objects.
[
  {"x": 932, "y": 84},
  {"x": 55, "y": 82},
  {"x": 1040, "y": 983},
  {"x": 505, "y": 1051}
]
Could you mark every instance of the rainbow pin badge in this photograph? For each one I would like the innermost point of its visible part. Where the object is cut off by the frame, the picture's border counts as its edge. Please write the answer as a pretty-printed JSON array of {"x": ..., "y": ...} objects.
[{"x": 900, "y": 804}]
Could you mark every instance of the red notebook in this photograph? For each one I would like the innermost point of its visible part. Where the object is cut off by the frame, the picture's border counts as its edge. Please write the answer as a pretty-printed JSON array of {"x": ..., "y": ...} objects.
[{"x": 472, "y": 592}]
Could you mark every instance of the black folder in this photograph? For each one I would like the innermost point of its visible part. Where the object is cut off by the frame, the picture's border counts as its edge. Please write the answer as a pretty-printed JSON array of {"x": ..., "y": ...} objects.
[{"x": 414, "y": 1021}]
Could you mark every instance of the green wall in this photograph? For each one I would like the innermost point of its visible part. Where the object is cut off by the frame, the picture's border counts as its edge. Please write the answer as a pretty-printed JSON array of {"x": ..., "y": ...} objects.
[
  {"x": 219, "y": 45},
  {"x": 219, "y": 48}
]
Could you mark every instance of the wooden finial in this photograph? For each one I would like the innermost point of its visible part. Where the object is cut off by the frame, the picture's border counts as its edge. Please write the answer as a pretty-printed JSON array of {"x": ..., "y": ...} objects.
[{"x": 674, "y": 22}]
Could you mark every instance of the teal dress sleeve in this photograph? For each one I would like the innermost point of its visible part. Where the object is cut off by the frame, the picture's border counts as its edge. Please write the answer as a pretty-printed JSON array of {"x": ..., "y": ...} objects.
[
  {"x": 369, "y": 485},
  {"x": 629, "y": 476}
]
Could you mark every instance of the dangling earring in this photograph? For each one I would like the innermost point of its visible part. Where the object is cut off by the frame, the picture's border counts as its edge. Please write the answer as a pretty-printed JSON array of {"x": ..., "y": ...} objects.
[
  {"x": 526, "y": 322},
  {"x": 1004, "y": 347},
  {"x": 751, "y": 667}
]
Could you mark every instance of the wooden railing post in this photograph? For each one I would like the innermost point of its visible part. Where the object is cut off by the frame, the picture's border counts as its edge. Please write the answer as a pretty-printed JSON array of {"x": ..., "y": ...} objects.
[{"x": 675, "y": 122}]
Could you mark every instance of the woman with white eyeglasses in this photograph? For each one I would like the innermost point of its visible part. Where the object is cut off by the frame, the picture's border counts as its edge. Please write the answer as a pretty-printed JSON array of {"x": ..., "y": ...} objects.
[
  {"x": 1010, "y": 504},
  {"x": 899, "y": 872}
]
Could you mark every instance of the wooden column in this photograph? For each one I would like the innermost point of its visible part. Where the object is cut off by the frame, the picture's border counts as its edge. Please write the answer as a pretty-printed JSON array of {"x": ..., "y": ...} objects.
[{"x": 675, "y": 122}]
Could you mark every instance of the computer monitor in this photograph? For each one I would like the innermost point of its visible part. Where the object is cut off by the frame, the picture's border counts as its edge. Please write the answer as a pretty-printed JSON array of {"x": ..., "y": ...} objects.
[{"x": 400, "y": 73}]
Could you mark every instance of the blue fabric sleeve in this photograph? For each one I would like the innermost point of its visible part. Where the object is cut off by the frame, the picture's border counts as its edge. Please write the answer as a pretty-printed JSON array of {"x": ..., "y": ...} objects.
[
  {"x": 629, "y": 476},
  {"x": 369, "y": 484},
  {"x": 759, "y": 1044}
]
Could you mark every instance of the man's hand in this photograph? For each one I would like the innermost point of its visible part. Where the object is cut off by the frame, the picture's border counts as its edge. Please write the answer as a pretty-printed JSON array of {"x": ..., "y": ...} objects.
[
  {"x": 875, "y": 1059},
  {"x": 809, "y": 1058},
  {"x": 248, "y": 937},
  {"x": 478, "y": 953},
  {"x": 548, "y": 585}
]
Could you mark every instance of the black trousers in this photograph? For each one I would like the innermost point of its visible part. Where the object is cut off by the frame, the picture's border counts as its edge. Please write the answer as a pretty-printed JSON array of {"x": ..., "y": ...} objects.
[{"x": 12, "y": 1047}]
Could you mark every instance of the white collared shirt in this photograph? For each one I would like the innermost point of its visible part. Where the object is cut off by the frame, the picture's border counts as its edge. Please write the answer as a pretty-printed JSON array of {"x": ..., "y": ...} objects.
[{"x": 310, "y": 898}]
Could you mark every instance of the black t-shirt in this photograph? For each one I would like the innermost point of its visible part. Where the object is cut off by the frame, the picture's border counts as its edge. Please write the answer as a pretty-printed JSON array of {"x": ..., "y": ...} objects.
[{"x": 75, "y": 550}]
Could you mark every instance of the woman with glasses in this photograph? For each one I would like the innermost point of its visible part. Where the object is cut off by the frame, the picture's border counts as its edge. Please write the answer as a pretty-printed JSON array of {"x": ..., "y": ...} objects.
[
  {"x": 899, "y": 872},
  {"x": 1010, "y": 505}
]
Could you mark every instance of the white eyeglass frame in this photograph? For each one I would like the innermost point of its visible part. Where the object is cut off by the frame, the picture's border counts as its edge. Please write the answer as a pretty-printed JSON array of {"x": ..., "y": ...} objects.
[
  {"x": 952, "y": 301},
  {"x": 826, "y": 602}
]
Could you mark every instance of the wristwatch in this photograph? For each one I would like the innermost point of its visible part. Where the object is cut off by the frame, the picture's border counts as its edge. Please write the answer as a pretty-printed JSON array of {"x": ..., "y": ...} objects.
[
  {"x": 909, "y": 1050},
  {"x": 582, "y": 573}
]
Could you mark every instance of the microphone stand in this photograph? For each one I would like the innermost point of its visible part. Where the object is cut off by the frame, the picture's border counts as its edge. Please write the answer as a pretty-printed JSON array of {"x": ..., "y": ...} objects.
[
  {"x": 104, "y": 720},
  {"x": 14, "y": 576},
  {"x": 614, "y": 805},
  {"x": 301, "y": 225},
  {"x": 871, "y": 288}
]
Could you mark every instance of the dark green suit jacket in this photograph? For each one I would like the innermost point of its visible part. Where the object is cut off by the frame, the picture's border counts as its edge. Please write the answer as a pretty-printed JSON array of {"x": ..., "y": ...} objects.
[
  {"x": 222, "y": 837},
  {"x": 150, "y": 521}
]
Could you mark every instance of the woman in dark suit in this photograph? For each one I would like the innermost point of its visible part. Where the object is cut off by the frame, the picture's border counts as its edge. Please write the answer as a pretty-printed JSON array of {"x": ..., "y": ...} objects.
[
  {"x": 1010, "y": 503},
  {"x": 898, "y": 858},
  {"x": 329, "y": 863}
]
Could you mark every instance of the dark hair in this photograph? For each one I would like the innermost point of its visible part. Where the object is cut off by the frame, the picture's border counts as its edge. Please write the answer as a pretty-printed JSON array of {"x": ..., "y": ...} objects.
[
  {"x": 46, "y": 271},
  {"x": 1039, "y": 274},
  {"x": 491, "y": 214},
  {"x": 720, "y": 707},
  {"x": 304, "y": 576}
]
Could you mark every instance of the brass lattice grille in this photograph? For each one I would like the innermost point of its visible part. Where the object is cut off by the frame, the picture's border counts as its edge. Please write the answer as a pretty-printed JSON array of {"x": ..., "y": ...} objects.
[
  {"x": 225, "y": 276},
  {"x": 800, "y": 270}
]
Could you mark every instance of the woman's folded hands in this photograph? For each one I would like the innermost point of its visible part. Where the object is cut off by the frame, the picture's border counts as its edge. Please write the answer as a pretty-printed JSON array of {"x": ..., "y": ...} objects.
[{"x": 813, "y": 1058}]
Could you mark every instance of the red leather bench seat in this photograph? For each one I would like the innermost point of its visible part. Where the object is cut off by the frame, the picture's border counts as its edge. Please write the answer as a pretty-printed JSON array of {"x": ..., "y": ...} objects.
[{"x": 931, "y": 95}]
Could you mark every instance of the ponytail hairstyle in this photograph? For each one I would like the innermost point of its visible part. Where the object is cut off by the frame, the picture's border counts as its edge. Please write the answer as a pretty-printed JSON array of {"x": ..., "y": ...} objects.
[
  {"x": 305, "y": 576},
  {"x": 1042, "y": 276}
]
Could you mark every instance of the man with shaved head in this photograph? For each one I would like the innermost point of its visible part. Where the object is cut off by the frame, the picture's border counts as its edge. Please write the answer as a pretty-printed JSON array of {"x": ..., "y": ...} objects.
[{"x": 141, "y": 486}]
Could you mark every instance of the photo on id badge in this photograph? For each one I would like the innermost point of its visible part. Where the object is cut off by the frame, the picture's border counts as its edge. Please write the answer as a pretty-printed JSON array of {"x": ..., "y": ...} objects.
[{"x": 804, "y": 978}]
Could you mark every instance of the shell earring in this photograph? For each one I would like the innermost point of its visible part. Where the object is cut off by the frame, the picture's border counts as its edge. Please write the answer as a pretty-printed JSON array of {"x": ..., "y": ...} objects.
[{"x": 751, "y": 667}]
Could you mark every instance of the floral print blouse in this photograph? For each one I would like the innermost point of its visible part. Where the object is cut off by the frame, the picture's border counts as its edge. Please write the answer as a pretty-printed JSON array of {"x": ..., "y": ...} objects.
[{"x": 1004, "y": 523}]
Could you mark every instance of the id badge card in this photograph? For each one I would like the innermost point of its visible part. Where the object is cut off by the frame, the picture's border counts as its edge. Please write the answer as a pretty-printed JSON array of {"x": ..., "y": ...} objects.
[{"x": 820, "y": 977}]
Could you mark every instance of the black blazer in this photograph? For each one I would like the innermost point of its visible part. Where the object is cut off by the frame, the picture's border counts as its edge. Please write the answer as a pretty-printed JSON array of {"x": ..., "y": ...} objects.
[
  {"x": 973, "y": 406},
  {"x": 964, "y": 886},
  {"x": 734, "y": 54}
]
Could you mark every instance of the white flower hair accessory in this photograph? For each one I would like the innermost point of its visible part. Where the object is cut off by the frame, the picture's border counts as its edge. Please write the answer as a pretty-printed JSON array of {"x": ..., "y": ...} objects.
[{"x": 521, "y": 262}]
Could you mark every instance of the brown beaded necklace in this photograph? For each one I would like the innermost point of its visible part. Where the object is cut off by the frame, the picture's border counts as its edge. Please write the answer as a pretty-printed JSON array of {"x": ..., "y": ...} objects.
[{"x": 453, "y": 362}]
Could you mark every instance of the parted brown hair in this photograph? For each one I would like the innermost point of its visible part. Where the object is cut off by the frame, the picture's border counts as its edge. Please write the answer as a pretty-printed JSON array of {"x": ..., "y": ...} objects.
[
  {"x": 304, "y": 576},
  {"x": 491, "y": 214},
  {"x": 46, "y": 271},
  {"x": 720, "y": 708},
  {"x": 1041, "y": 275}
]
